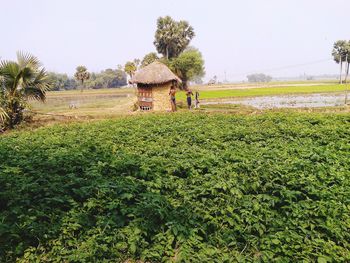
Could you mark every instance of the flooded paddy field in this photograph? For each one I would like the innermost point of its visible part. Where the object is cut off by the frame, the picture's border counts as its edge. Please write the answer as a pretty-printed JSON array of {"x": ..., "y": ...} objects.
[{"x": 286, "y": 101}]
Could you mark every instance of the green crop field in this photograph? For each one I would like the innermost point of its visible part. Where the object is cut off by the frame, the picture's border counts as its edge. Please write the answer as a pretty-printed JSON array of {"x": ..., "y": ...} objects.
[
  {"x": 251, "y": 92},
  {"x": 179, "y": 187}
]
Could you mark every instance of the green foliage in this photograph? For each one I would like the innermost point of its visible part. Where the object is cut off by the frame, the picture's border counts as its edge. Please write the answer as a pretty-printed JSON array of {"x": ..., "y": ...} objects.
[
  {"x": 172, "y": 37},
  {"x": 341, "y": 53},
  {"x": 108, "y": 78},
  {"x": 172, "y": 40},
  {"x": 231, "y": 93},
  {"x": 148, "y": 59},
  {"x": 189, "y": 65},
  {"x": 341, "y": 50},
  {"x": 179, "y": 187},
  {"x": 61, "y": 81},
  {"x": 81, "y": 75},
  {"x": 259, "y": 77},
  {"x": 19, "y": 82},
  {"x": 130, "y": 68}
]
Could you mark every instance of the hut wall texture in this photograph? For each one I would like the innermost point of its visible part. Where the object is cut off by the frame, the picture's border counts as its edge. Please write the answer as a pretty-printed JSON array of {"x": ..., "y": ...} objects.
[{"x": 161, "y": 99}]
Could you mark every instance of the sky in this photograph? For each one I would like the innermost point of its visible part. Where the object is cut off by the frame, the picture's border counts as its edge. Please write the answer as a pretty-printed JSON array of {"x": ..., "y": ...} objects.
[{"x": 282, "y": 38}]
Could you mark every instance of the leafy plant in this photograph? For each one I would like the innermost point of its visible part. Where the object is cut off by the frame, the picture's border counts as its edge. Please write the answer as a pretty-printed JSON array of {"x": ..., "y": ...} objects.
[
  {"x": 180, "y": 187},
  {"x": 20, "y": 81}
]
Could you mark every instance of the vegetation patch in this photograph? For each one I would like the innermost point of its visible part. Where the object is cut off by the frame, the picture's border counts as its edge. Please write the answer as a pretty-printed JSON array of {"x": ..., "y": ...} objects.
[
  {"x": 178, "y": 187},
  {"x": 227, "y": 93}
]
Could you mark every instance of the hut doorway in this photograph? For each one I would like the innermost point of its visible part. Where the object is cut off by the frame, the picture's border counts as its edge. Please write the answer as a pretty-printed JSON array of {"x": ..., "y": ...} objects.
[{"x": 145, "y": 98}]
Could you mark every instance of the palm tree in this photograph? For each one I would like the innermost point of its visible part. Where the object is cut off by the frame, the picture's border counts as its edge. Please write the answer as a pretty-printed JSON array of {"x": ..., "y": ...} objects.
[
  {"x": 81, "y": 75},
  {"x": 148, "y": 59},
  {"x": 339, "y": 53},
  {"x": 172, "y": 37},
  {"x": 20, "y": 81},
  {"x": 130, "y": 68}
]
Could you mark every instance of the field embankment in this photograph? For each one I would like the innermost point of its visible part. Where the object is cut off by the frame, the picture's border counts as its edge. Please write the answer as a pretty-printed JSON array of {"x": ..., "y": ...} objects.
[{"x": 180, "y": 187}]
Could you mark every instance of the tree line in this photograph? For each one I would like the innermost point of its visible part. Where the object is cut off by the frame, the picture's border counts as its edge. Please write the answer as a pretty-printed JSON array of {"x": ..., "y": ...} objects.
[
  {"x": 108, "y": 78},
  {"x": 259, "y": 77}
]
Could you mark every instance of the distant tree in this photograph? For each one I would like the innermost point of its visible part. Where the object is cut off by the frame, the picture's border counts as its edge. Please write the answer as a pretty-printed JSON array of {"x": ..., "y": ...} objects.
[
  {"x": 130, "y": 68},
  {"x": 172, "y": 37},
  {"x": 113, "y": 78},
  {"x": 81, "y": 75},
  {"x": 338, "y": 53},
  {"x": 341, "y": 54},
  {"x": 59, "y": 81},
  {"x": 108, "y": 78},
  {"x": 259, "y": 78},
  {"x": 71, "y": 84},
  {"x": 197, "y": 80},
  {"x": 137, "y": 63},
  {"x": 148, "y": 59},
  {"x": 189, "y": 65},
  {"x": 19, "y": 82}
]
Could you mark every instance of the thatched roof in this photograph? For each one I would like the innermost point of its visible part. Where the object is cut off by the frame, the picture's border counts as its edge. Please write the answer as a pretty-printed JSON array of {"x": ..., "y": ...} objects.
[{"x": 154, "y": 73}]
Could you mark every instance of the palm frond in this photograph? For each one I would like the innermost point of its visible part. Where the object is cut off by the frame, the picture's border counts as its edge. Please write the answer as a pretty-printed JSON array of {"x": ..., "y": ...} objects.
[
  {"x": 20, "y": 81},
  {"x": 27, "y": 60},
  {"x": 3, "y": 115},
  {"x": 10, "y": 73},
  {"x": 37, "y": 88},
  {"x": 34, "y": 93}
]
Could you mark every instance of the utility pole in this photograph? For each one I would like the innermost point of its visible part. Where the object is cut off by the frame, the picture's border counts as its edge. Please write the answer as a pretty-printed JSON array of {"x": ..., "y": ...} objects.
[{"x": 225, "y": 77}]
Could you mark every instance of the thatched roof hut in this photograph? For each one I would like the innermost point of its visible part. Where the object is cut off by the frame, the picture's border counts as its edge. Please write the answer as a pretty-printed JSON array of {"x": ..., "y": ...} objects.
[
  {"x": 153, "y": 84},
  {"x": 154, "y": 73}
]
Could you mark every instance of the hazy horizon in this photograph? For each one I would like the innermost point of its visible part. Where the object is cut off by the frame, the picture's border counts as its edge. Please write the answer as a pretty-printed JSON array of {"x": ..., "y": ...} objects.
[{"x": 279, "y": 38}]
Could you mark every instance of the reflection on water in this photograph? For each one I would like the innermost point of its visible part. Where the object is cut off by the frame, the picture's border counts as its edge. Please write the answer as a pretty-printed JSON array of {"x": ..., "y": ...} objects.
[{"x": 287, "y": 101}]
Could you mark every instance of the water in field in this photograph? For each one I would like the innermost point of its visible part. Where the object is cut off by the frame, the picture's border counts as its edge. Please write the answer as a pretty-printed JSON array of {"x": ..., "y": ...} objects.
[{"x": 287, "y": 101}]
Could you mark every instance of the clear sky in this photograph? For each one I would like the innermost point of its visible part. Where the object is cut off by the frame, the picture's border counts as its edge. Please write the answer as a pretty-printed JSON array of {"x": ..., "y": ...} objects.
[{"x": 234, "y": 36}]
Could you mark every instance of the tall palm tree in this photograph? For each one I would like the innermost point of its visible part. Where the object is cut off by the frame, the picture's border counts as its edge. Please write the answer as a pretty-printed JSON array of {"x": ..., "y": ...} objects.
[
  {"x": 20, "y": 81},
  {"x": 130, "y": 68},
  {"x": 172, "y": 37},
  {"x": 81, "y": 75},
  {"x": 340, "y": 49}
]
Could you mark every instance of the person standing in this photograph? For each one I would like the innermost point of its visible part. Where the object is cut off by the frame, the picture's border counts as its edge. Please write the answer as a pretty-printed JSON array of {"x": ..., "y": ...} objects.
[
  {"x": 196, "y": 98},
  {"x": 172, "y": 93},
  {"x": 189, "y": 95}
]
